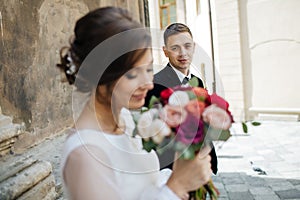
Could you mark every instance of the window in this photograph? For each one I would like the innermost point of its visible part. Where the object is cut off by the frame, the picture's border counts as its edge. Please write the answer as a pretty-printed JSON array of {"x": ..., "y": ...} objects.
[{"x": 167, "y": 13}]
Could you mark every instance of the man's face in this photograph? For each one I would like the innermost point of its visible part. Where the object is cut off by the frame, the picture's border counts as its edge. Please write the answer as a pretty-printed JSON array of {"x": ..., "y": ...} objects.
[{"x": 180, "y": 49}]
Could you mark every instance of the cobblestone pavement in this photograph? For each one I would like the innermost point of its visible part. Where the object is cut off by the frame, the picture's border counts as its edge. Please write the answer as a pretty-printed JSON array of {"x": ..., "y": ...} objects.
[{"x": 263, "y": 164}]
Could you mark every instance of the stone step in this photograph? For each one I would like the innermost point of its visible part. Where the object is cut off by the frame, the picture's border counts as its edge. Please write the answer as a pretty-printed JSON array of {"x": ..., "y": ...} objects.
[
  {"x": 23, "y": 181},
  {"x": 44, "y": 190},
  {"x": 5, "y": 120},
  {"x": 12, "y": 167},
  {"x": 10, "y": 131},
  {"x": 8, "y": 136}
]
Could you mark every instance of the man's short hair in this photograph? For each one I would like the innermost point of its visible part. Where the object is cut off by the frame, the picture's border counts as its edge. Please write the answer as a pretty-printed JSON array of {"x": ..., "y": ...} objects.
[{"x": 174, "y": 29}]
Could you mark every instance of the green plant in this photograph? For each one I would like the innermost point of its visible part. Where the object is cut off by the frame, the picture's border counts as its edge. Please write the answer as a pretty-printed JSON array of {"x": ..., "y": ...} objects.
[{"x": 245, "y": 126}]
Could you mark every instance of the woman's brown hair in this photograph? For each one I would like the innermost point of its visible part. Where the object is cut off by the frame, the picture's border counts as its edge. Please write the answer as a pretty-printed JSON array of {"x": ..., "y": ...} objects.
[{"x": 109, "y": 29}]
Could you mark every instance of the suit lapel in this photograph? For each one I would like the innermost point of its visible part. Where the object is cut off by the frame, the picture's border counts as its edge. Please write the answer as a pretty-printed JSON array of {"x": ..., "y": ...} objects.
[{"x": 167, "y": 77}]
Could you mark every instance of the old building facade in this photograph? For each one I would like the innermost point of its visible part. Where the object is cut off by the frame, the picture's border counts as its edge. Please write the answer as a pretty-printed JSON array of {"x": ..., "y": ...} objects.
[{"x": 35, "y": 105}]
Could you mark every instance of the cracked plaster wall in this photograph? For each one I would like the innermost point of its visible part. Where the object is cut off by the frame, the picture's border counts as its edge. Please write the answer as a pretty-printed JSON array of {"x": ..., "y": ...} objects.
[{"x": 31, "y": 35}]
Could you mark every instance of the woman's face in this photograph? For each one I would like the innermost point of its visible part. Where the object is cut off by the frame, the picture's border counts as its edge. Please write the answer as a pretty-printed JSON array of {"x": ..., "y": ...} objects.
[{"x": 131, "y": 89}]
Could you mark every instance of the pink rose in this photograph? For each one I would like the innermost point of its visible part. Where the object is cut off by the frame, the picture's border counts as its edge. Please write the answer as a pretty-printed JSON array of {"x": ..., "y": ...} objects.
[
  {"x": 220, "y": 102},
  {"x": 216, "y": 117},
  {"x": 195, "y": 108},
  {"x": 173, "y": 115}
]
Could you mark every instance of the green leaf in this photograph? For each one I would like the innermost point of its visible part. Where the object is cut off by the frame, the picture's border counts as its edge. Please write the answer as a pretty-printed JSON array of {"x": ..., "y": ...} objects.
[
  {"x": 149, "y": 145},
  {"x": 188, "y": 154},
  {"x": 191, "y": 95},
  {"x": 217, "y": 134},
  {"x": 201, "y": 193},
  {"x": 255, "y": 123},
  {"x": 194, "y": 82},
  {"x": 144, "y": 109},
  {"x": 224, "y": 135},
  {"x": 197, "y": 146},
  {"x": 136, "y": 116},
  {"x": 245, "y": 127},
  {"x": 201, "y": 98},
  {"x": 135, "y": 132},
  {"x": 152, "y": 101},
  {"x": 180, "y": 147}
]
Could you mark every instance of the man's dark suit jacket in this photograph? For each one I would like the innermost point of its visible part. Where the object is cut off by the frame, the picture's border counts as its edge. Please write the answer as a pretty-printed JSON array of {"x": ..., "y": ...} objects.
[{"x": 166, "y": 78}]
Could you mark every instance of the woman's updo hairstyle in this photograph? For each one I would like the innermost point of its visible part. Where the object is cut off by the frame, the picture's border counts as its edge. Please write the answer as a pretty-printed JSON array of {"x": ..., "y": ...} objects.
[{"x": 93, "y": 29}]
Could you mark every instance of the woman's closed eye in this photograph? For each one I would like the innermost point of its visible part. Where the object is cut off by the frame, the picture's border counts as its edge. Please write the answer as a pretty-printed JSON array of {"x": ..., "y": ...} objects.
[{"x": 131, "y": 75}]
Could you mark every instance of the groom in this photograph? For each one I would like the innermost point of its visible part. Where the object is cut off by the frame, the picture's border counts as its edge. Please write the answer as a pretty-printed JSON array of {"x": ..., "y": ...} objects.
[{"x": 179, "y": 49}]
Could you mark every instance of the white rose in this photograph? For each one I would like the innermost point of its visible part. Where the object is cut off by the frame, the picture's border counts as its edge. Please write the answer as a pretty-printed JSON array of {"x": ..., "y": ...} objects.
[
  {"x": 145, "y": 122},
  {"x": 160, "y": 130},
  {"x": 179, "y": 98}
]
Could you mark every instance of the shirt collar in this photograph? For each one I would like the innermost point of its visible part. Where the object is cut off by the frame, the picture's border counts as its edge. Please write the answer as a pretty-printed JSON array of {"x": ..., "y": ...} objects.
[{"x": 180, "y": 75}]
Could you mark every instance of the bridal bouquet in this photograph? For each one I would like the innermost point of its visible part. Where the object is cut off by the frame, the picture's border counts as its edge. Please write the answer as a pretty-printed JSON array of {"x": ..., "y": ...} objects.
[{"x": 184, "y": 118}]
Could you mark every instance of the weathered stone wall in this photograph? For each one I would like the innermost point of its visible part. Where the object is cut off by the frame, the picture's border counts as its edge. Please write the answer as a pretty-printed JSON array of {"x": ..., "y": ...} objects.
[{"x": 31, "y": 35}]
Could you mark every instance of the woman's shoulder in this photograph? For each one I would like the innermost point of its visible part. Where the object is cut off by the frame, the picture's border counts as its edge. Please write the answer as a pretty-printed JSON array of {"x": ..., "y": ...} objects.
[
  {"x": 81, "y": 141},
  {"x": 82, "y": 138}
]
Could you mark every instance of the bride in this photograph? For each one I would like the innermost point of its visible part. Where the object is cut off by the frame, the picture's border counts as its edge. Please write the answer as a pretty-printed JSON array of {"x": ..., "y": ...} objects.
[{"x": 110, "y": 59}]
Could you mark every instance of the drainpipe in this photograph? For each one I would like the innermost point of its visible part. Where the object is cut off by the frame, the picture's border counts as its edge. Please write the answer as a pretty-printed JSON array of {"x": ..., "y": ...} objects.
[{"x": 212, "y": 49}]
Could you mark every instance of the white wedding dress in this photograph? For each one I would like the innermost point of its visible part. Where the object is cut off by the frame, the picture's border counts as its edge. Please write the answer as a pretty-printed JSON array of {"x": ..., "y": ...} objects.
[{"x": 123, "y": 170}]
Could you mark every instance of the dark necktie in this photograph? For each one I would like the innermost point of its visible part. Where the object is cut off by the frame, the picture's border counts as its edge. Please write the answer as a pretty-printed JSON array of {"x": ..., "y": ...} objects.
[{"x": 185, "y": 80}]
